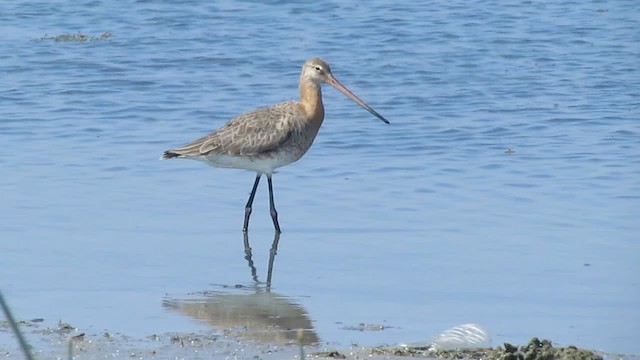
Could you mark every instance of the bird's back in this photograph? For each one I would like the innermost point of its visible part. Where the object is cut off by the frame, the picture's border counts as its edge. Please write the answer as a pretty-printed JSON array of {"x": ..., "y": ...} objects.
[{"x": 279, "y": 133}]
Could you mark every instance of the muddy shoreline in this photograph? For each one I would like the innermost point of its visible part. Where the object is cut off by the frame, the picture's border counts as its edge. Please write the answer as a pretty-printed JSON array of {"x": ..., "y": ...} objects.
[{"x": 58, "y": 341}]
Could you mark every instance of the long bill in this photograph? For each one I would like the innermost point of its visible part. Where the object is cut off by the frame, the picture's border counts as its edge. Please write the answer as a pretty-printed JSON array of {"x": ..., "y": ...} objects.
[{"x": 336, "y": 84}]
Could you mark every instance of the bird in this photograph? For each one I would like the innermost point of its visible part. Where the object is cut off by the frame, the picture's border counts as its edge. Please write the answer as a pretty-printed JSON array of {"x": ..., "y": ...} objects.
[{"x": 270, "y": 137}]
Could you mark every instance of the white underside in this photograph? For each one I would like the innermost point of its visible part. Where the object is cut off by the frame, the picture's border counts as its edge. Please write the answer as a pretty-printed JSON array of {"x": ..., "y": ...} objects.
[{"x": 262, "y": 165}]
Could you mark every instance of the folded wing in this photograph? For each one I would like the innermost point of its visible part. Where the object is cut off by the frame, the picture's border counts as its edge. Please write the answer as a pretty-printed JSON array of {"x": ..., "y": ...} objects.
[{"x": 250, "y": 134}]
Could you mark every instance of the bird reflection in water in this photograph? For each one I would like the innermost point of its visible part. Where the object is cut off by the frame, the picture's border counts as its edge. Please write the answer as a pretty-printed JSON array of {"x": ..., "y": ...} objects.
[
  {"x": 248, "y": 255},
  {"x": 253, "y": 312}
]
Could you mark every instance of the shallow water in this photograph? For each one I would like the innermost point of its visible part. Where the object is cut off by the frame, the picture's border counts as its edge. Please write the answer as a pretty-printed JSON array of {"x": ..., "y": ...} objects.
[{"x": 505, "y": 192}]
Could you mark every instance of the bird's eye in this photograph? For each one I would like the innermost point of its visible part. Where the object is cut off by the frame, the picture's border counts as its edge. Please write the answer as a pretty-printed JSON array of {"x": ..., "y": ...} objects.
[{"x": 318, "y": 68}]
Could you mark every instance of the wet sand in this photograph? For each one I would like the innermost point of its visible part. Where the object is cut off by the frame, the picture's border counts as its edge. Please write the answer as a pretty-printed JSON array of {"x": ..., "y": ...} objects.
[{"x": 58, "y": 341}]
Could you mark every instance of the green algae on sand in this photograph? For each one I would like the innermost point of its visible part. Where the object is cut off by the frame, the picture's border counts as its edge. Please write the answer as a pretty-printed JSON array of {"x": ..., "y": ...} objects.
[{"x": 536, "y": 349}]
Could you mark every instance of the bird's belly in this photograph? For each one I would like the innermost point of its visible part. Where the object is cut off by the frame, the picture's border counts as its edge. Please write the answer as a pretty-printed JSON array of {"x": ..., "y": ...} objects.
[{"x": 265, "y": 164}]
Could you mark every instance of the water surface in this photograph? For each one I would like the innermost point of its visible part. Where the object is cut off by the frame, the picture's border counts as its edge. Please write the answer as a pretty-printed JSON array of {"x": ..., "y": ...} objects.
[{"x": 505, "y": 192}]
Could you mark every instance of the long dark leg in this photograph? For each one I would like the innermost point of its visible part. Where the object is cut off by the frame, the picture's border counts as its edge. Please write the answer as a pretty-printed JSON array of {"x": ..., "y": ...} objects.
[
  {"x": 272, "y": 207},
  {"x": 247, "y": 208}
]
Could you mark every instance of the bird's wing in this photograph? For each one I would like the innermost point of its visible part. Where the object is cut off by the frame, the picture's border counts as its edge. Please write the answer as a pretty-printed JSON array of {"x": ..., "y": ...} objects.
[{"x": 252, "y": 133}]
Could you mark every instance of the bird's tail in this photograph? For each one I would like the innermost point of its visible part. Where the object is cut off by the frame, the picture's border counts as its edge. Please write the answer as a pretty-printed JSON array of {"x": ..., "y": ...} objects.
[{"x": 169, "y": 154}]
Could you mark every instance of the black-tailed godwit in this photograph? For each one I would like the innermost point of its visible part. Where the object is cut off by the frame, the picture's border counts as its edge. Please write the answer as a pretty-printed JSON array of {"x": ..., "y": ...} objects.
[{"x": 267, "y": 138}]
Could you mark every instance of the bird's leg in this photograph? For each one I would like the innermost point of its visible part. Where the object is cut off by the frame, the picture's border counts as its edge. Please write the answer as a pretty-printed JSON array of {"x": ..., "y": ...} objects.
[
  {"x": 247, "y": 208},
  {"x": 272, "y": 207}
]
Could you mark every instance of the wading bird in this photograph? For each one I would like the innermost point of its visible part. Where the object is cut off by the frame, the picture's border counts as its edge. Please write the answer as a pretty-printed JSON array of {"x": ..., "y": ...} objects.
[{"x": 267, "y": 138}]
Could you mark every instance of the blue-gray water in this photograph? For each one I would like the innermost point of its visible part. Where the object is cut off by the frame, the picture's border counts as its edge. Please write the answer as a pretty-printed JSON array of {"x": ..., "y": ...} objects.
[{"x": 505, "y": 192}]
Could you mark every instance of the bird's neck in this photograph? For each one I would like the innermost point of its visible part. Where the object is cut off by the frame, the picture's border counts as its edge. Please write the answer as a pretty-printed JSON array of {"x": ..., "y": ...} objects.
[{"x": 311, "y": 100}]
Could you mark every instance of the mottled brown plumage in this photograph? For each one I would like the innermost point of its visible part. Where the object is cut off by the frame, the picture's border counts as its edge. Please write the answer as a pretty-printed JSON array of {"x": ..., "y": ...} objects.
[
  {"x": 259, "y": 136},
  {"x": 267, "y": 138}
]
